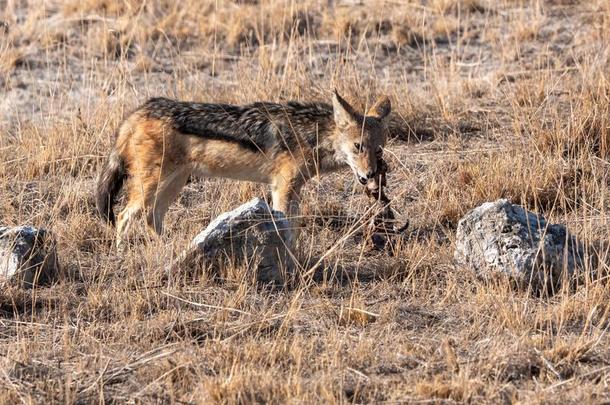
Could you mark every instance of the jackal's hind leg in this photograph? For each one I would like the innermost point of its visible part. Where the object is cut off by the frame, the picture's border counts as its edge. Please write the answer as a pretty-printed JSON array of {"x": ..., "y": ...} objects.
[
  {"x": 153, "y": 195},
  {"x": 160, "y": 197},
  {"x": 125, "y": 220}
]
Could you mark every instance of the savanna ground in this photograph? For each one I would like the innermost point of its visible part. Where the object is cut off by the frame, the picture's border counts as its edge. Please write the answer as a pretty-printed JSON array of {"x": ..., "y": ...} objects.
[{"x": 491, "y": 99}]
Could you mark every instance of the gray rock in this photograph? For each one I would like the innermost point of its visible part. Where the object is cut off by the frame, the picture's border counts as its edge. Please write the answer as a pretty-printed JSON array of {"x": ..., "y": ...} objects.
[
  {"x": 251, "y": 231},
  {"x": 500, "y": 238},
  {"x": 27, "y": 256}
]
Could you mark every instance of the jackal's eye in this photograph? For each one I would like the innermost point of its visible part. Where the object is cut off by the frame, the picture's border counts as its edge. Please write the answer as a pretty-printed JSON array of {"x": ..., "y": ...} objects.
[{"x": 358, "y": 147}]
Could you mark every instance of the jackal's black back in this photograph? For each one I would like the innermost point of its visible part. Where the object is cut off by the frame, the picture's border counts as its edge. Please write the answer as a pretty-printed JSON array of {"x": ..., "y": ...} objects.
[{"x": 258, "y": 126}]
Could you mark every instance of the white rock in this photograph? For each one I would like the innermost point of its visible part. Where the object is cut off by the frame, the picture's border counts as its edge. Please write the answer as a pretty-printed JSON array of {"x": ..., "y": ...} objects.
[
  {"x": 250, "y": 231},
  {"x": 27, "y": 256},
  {"x": 503, "y": 238}
]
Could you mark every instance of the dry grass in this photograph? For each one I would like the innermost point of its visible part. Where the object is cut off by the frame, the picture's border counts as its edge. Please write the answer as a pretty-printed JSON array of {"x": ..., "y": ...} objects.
[{"x": 491, "y": 99}]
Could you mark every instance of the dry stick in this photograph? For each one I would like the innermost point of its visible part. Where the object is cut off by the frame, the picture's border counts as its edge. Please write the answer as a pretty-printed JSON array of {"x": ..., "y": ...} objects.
[
  {"x": 199, "y": 304},
  {"x": 143, "y": 360},
  {"x": 46, "y": 325},
  {"x": 590, "y": 373},
  {"x": 548, "y": 364},
  {"x": 362, "y": 311},
  {"x": 358, "y": 373},
  {"x": 244, "y": 328},
  {"x": 128, "y": 368}
]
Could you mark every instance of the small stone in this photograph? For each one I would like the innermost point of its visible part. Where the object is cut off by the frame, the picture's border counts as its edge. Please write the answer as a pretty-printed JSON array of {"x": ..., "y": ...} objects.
[{"x": 28, "y": 256}]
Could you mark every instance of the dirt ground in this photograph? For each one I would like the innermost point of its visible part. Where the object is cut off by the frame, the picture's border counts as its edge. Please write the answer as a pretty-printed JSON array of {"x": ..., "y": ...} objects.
[{"x": 491, "y": 99}]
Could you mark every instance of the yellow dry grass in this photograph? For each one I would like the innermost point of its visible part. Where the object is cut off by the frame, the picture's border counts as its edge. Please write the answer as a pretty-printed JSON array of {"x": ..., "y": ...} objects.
[{"x": 491, "y": 99}]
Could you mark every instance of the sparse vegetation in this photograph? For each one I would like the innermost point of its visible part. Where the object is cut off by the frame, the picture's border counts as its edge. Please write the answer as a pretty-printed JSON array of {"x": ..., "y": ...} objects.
[{"x": 490, "y": 99}]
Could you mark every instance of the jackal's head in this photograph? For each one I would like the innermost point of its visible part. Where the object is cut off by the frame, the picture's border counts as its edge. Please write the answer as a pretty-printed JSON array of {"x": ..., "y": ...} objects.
[{"x": 360, "y": 137}]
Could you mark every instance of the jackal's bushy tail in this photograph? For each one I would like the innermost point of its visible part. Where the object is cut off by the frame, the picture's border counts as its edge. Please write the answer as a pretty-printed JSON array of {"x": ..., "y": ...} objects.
[{"x": 109, "y": 183}]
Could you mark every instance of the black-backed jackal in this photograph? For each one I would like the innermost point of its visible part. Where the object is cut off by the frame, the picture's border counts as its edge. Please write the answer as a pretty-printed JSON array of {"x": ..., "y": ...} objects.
[{"x": 164, "y": 141}]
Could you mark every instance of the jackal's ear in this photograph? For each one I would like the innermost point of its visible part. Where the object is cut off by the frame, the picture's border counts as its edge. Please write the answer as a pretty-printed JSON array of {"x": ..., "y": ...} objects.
[
  {"x": 381, "y": 109},
  {"x": 344, "y": 113}
]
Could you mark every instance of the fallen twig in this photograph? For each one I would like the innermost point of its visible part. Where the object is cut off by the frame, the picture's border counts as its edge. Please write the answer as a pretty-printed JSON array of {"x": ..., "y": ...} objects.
[{"x": 199, "y": 304}]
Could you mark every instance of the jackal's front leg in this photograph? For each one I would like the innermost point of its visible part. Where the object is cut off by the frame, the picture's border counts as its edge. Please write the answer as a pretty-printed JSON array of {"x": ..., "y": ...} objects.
[{"x": 286, "y": 198}]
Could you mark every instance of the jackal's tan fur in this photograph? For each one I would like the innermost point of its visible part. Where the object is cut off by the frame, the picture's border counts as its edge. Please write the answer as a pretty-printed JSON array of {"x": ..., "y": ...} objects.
[{"x": 164, "y": 141}]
